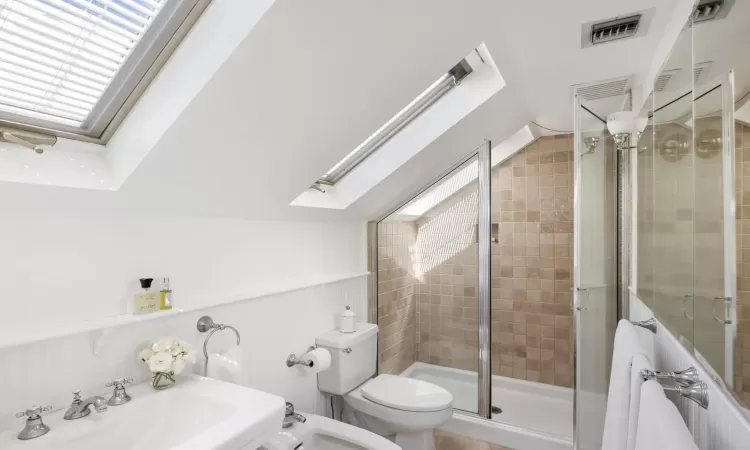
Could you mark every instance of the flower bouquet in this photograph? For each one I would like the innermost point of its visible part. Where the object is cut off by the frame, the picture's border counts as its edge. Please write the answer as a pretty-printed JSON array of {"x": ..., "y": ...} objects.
[{"x": 166, "y": 358}]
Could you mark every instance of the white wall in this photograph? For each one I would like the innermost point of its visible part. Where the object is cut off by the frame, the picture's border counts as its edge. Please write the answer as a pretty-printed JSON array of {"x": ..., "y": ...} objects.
[
  {"x": 271, "y": 327},
  {"x": 56, "y": 269},
  {"x": 64, "y": 281}
]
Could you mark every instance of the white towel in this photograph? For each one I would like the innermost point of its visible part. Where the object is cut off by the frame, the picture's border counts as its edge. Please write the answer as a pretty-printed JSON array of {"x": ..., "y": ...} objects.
[
  {"x": 226, "y": 366},
  {"x": 660, "y": 425},
  {"x": 616, "y": 419},
  {"x": 638, "y": 364}
]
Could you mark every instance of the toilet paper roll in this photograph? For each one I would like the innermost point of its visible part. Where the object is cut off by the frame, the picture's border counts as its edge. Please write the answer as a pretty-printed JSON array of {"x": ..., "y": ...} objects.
[{"x": 320, "y": 358}]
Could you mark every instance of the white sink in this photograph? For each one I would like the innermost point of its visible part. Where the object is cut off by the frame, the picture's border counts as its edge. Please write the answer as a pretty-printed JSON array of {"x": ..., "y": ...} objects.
[{"x": 197, "y": 413}]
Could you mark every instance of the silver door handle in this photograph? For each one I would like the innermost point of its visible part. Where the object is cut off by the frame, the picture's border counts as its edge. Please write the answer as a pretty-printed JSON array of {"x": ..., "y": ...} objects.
[
  {"x": 727, "y": 304},
  {"x": 684, "y": 307}
]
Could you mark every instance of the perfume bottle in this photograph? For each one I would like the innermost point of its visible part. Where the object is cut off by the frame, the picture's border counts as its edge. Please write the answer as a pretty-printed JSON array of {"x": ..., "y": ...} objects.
[
  {"x": 146, "y": 301},
  {"x": 165, "y": 295}
]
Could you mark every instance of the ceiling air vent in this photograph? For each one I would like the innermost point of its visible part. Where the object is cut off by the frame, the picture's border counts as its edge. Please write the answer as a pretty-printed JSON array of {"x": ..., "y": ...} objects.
[
  {"x": 661, "y": 82},
  {"x": 615, "y": 29},
  {"x": 700, "y": 70},
  {"x": 707, "y": 10},
  {"x": 611, "y": 88}
]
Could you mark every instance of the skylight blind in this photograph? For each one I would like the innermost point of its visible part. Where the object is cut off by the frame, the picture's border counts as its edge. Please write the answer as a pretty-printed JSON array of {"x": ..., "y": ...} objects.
[{"x": 58, "y": 57}]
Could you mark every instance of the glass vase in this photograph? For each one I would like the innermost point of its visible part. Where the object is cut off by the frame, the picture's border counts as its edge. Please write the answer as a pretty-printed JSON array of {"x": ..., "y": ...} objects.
[{"x": 163, "y": 380}]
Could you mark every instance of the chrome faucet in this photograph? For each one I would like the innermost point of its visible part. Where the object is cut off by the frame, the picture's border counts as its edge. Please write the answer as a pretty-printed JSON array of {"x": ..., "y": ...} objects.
[
  {"x": 291, "y": 417},
  {"x": 34, "y": 425},
  {"x": 80, "y": 408}
]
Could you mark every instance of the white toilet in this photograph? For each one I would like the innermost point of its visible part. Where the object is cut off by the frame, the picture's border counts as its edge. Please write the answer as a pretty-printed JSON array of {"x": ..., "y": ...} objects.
[{"x": 402, "y": 409}]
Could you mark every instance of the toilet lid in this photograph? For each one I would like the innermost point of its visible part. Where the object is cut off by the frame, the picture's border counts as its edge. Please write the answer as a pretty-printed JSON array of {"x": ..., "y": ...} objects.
[{"x": 406, "y": 394}]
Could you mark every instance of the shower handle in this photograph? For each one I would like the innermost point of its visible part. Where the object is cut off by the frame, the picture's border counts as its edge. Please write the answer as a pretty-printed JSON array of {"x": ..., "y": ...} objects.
[
  {"x": 684, "y": 306},
  {"x": 727, "y": 305},
  {"x": 572, "y": 300}
]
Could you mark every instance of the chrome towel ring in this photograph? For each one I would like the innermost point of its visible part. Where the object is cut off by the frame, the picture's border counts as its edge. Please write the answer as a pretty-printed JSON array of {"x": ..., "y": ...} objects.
[{"x": 206, "y": 323}]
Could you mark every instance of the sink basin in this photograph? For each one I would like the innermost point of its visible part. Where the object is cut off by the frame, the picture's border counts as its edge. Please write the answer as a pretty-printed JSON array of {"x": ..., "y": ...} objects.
[{"x": 197, "y": 413}]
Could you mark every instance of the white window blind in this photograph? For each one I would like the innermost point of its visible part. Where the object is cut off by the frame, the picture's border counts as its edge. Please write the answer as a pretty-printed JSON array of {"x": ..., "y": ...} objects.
[{"x": 64, "y": 62}]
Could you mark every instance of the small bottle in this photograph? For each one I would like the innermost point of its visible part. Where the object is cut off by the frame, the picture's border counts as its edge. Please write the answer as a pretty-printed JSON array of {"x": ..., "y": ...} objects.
[
  {"x": 146, "y": 301},
  {"x": 347, "y": 321},
  {"x": 165, "y": 295}
]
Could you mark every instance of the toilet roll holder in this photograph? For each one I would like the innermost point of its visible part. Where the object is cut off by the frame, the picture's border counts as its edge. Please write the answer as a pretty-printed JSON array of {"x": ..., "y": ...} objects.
[
  {"x": 206, "y": 323},
  {"x": 293, "y": 360}
]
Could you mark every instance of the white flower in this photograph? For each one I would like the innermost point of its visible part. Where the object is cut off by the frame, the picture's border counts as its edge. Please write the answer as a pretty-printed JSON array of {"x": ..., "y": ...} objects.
[
  {"x": 160, "y": 362},
  {"x": 190, "y": 356},
  {"x": 162, "y": 345},
  {"x": 145, "y": 354},
  {"x": 178, "y": 365}
]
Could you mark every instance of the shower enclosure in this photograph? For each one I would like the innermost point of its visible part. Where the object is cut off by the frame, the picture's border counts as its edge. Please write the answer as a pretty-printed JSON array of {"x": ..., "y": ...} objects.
[{"x": 475, "y": 288}]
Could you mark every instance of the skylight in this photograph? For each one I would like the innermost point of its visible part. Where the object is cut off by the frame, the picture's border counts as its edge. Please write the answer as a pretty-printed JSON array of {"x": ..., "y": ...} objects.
[
  {"x": 69, "y": 66},
  {"x": 446, "y": 188},
  {"x": 433, "y": 93}
]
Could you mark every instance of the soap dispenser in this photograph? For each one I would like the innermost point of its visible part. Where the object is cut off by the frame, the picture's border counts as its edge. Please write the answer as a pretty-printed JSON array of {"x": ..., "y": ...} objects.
[{"x": 146, "y": 301}]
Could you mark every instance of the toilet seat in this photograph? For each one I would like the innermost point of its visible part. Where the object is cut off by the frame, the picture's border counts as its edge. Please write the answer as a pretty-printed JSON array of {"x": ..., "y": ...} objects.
[
  {"x": 406, "y": 394},
  {"x": 397, "y": 420}
]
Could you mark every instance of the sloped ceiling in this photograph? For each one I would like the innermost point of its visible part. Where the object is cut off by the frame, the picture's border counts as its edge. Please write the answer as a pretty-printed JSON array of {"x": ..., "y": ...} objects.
[{"x": 314, "y": 79}]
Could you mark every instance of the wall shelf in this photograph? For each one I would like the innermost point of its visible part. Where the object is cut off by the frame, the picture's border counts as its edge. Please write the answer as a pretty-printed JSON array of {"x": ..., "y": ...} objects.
[{"x": 13, "y": 336}]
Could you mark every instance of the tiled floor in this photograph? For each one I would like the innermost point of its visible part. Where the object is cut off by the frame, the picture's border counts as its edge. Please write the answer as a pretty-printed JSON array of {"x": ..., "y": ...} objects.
[{"x": 448, "y": 441}]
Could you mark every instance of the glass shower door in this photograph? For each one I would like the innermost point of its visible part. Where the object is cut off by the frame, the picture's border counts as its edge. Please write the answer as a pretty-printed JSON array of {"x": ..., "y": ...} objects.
[
  {"x": 595, "y": 273},
  {"x": 428, "y": 286},
  {"x": 714, "y": 283}
]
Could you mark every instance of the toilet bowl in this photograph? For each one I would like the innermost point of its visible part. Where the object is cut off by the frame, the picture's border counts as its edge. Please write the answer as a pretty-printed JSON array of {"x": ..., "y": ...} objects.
[{"x": 402, "y": 409}]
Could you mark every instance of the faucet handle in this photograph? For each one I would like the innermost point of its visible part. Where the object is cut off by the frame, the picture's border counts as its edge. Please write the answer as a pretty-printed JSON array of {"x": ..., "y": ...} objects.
[
  {"x": 34, "y": 412},
  {"x": 34, "y": 425},
  {"x": 119, "y": 396}
]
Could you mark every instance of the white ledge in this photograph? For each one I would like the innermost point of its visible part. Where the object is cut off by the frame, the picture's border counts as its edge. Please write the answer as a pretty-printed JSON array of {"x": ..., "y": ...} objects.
[{"x": 21, "y": 335}]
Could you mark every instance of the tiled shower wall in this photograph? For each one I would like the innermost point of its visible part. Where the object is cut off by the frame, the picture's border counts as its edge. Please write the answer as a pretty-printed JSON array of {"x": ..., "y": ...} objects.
[
  {"x": 532, "y": 202},
  {"x": 532, "y": 263},
  {"x": 396, "y": 296},
  {"x": 742, "y": 198},
  {"x": 447, "y": 313}
]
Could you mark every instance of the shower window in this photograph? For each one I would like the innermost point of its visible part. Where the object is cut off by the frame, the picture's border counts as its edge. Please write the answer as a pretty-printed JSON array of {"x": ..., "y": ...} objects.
[{"x": 432, "y": 94}]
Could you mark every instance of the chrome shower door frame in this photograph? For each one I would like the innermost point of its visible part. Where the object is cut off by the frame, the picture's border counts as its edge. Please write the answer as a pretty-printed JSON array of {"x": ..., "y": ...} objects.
[{"x": 484, "y": 232}]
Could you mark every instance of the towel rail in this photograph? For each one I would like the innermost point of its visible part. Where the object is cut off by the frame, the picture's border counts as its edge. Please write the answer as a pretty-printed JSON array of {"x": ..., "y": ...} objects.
[
  {"x": 686, "y": 383},
  {"x": 649, "y": 324},
  {"x": 206, "y": 323}
]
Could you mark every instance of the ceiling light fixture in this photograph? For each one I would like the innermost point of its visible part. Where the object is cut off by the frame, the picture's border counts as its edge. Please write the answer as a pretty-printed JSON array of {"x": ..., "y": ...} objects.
[{"x": 622, "y": 124}]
